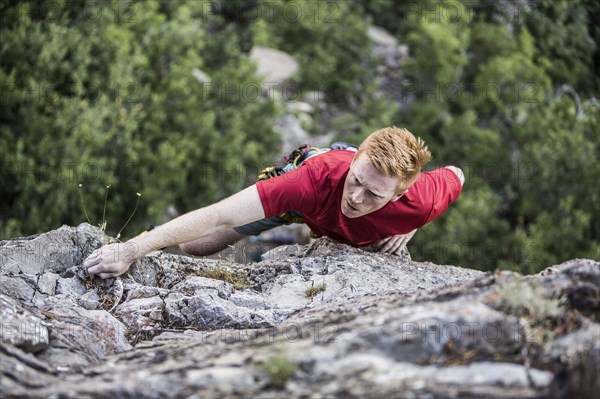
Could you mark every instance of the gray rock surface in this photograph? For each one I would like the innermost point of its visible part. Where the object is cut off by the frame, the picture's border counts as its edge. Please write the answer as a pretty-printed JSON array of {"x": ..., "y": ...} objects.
[
  {"x": 385, "y": 46},
  {"x": 391, "y": 56},
  {"x": 21, "y": 328},
  {"x": 274, "y": 65},
  {"x": 293, "y": 135},
  {"x": 383, "y": 326}
]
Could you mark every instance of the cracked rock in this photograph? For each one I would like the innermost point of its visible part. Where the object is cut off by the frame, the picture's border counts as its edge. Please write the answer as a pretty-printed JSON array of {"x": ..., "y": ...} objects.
[{"x": 381, "y": 325}]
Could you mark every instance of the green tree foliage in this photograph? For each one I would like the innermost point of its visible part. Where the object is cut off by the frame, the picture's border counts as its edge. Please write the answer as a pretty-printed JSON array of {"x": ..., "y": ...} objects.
[
  {"x": 497, "y": 92},
  {"x": 104, "y": 93},
  {"x": 561, "y": 199},
  {"x": 566, "y": 46}
]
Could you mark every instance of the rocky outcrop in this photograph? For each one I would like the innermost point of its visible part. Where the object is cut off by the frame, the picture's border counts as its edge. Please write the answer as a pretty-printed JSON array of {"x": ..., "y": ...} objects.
[
  {"x": 386, "y": 47},
  {"x": 391, "y": 56},
  {"x": 293, "y": 135},
  {"x": 275, "y": 66},
  {"x": 318, "y": 320}
]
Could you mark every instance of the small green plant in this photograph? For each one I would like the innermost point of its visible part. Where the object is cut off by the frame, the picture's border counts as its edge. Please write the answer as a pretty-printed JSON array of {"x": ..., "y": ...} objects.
[
  {"x": 82, "y": 203},
  {"x": 528, "y": 300},
  {"x": 130, "y": 216},
  {"x": 238, "y": 280},
  {"x": 279, "y": 369},
  {"x": 314, "y": 290},
  {"x": 102, "y": 225}
]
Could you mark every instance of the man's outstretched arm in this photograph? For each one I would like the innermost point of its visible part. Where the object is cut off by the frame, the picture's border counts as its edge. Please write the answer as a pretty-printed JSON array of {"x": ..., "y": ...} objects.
[{"x": 241, "y": 208}]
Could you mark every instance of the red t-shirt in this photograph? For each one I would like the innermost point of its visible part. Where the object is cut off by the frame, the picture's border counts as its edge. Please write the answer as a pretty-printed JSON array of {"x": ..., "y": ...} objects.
[{"x": 315, "y": 190}]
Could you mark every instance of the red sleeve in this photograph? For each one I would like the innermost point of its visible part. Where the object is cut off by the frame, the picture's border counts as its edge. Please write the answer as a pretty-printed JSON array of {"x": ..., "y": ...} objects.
[
  {"x": 446, "y": 188},
  {"x": 292, "y": 191}
]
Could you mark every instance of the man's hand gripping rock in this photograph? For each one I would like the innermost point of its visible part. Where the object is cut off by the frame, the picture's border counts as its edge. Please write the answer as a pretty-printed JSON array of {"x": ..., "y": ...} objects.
[{"x": 111, "y": 260}]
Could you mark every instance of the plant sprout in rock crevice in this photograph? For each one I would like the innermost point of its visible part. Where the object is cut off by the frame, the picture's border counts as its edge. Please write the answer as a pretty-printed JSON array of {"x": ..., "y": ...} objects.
[
  {"x": 102, "y": 225},
  {"x": 311, "y": 292}
]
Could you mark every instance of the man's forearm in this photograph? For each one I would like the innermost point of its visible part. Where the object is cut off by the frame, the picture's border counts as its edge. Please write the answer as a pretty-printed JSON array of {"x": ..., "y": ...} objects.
[
  {"x": 239, "y": 209},
  {"x": 184, "y": 228}
]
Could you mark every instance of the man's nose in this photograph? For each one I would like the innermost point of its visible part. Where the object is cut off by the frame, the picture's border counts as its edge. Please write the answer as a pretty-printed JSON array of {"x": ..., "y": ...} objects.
[{"x": 356, "y": 196}]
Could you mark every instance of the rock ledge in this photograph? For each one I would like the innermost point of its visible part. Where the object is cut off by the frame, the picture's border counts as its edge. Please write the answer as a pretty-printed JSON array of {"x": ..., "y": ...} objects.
[{"x": 381, "y": 325}]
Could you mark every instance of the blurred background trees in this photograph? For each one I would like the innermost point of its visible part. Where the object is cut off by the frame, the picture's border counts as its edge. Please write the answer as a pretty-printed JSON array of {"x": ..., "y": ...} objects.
[{"x": 156, "y": 97}]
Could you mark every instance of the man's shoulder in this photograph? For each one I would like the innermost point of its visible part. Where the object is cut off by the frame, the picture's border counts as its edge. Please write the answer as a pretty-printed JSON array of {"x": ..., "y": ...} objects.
[
  {"x": 328, "y": 168},
  {"x": 440, "y": 179},
  {"x": 434, "y": 187},
  {"x": 423, "y": 189}
]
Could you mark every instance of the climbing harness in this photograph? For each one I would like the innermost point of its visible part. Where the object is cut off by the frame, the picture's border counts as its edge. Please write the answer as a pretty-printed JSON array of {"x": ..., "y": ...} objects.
[{"x": 298, "y": 156}]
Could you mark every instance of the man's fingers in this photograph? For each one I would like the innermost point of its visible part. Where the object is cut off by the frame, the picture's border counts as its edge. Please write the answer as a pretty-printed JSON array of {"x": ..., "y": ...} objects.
[
  {"x": 392, "y": 249},
  {"x": 398, "y": 244},
  {"x": 90, "y": 262},
  {"x": 387, "y": 244},
  {"x": 376, "y": 246},
  {"x": 102, "y": 272},
  {"x": 97, "y": 269},
  {"x": 398, "y": 248},
  {"x": 402, "y": 247},
  {"x": 92, "y": 259},
  {"x": 394, "y": 245}
]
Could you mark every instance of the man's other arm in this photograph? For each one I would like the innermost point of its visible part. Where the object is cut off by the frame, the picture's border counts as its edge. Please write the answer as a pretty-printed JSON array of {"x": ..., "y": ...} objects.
[
  {"x": 396, "y": 244},
  {"x": 458, "y": 172},
  {"x": 238, "y": 209}
]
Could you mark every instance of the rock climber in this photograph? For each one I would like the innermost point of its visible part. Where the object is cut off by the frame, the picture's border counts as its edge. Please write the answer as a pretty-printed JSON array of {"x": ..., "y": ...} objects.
[{"x": 374, "y": 197}]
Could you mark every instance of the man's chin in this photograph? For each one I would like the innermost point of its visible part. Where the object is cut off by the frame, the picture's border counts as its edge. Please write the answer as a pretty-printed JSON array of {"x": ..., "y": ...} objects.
[{"x": 349, "y": 212}]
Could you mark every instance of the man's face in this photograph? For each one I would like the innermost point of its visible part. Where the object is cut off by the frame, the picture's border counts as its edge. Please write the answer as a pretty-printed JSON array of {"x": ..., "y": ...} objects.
[{"x": 366, "y": 190}]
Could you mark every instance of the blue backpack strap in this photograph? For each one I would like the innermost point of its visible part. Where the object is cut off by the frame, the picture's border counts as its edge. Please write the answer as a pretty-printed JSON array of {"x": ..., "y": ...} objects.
[{"x": 342, "y": 145}]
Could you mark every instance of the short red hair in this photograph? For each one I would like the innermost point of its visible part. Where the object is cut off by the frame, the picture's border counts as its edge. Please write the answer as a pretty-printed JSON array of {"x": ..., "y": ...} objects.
[{"x": 396, "y": 152}]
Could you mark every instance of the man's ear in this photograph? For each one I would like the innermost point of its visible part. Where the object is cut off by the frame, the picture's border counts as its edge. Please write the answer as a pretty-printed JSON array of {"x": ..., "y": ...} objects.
[{"x": 398, "y": 196}]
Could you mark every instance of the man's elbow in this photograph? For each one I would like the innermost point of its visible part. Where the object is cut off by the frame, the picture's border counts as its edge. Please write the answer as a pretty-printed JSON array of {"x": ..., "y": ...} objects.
[{"x": 459, "y": 173}]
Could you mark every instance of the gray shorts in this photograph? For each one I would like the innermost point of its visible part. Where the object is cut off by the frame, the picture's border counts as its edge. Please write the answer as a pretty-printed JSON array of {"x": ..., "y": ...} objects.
[{"x": 255, "y": 228}]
